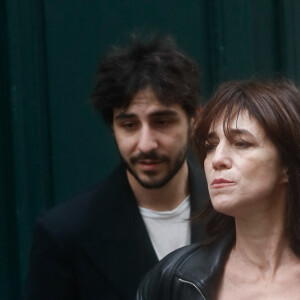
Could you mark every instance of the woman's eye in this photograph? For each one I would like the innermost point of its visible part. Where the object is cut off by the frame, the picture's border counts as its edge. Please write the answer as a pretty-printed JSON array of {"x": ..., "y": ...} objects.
[
  {"x": 242, "y": 144},
  {"x": 209, "y": 147}
]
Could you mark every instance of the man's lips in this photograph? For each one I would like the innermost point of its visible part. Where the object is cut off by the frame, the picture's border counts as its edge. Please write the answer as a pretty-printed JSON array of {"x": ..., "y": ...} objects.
[
  {"x": 149, "y": 164},
  {"x": 149, "y": 161},
  {"x": 150, "y": 158},
  {"x": 221, "y": 182}
]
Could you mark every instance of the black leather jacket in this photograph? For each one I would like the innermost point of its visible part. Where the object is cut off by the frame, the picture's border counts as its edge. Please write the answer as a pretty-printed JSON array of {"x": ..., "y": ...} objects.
[{"x": 191, "y": 272}]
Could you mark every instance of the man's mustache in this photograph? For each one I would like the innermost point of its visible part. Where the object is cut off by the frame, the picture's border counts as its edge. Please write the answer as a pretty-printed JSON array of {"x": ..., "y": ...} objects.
[{"x": 153, "y": 155}]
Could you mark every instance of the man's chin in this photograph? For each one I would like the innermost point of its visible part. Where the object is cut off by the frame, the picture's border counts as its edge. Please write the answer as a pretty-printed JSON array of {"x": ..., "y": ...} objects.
[
  {"x": 150, "y": 180},
  {"x": 152, "y": 184},
  {"x": 154, "y": 179}
]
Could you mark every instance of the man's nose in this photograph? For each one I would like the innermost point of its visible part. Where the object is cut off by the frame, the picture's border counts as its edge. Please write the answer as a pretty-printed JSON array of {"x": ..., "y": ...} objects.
[
  {"x": 147, "y": 139},
  {"x": 221, "y": 157}
]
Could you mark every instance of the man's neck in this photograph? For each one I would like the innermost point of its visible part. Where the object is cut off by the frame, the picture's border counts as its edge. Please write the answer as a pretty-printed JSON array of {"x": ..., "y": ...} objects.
[{"x": 165, "y": 198}]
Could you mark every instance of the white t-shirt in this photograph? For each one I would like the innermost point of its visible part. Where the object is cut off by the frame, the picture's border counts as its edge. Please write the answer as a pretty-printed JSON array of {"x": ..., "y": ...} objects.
[{"x": 168, "y": 230}]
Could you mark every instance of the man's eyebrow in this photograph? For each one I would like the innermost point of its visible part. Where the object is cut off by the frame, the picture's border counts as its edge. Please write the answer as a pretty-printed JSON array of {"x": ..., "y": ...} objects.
[
  {"x": 124, "y": 115},
  {"x": 159, "y": 113},
  {"x": 164, "y": 113}
]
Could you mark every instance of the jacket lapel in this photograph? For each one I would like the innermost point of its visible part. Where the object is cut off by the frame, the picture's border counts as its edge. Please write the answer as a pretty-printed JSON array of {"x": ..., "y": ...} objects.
[
  {"x": 116, "y": 240},
  {"x": 205, "y": 266},
  {"x": 199, "y": 196}
]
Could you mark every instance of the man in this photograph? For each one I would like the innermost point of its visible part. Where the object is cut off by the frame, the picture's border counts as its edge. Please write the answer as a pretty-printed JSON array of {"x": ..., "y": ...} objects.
[{"x": 101, "y": 244}]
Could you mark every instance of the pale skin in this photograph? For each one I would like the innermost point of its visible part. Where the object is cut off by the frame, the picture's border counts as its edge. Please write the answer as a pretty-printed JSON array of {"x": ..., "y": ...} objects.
[
  {"x": 246, "y": 180},
  {"x": 148, "y": 126}
]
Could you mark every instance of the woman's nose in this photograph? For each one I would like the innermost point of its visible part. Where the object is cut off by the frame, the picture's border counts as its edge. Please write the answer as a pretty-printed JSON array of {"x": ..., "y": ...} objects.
[{"x": 222, "y": 157}]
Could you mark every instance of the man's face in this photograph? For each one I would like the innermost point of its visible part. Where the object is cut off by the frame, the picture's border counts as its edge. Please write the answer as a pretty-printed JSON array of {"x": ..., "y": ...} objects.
[{"x": 152, "y": 138}]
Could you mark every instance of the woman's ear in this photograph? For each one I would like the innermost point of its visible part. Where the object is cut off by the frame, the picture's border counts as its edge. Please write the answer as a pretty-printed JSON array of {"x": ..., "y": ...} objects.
[{"x": 284, "y": 175}]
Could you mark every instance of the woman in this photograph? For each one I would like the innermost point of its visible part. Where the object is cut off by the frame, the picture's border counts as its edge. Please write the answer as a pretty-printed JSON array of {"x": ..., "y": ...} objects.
[{"x": 248, "y": 140}]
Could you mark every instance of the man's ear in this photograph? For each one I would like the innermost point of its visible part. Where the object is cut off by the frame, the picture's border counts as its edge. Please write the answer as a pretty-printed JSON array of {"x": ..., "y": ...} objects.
[
  {"x": 191, "y": 127},
  {"x": 192, "y": 122},
  {"x": 194, "y": 119}
]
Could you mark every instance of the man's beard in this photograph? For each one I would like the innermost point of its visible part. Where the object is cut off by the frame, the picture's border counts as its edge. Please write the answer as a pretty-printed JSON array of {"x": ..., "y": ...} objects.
[{"x": 152, "y": 183}]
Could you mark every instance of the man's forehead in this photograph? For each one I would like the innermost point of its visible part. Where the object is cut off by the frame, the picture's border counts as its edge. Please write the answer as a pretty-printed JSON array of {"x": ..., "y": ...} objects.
[
  {"x": 143, "y": 94},
  {"x": 152, "y": 111},
  {"x": 144, "y": 102},
  {"x": 146, "y": 98},
  {"x": 149, "y": 106}
]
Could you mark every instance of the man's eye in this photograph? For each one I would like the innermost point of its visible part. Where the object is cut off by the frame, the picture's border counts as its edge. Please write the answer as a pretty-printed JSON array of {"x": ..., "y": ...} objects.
[
  {"x": 161, "y": 122},
  {"x": 129, "y": 125}
]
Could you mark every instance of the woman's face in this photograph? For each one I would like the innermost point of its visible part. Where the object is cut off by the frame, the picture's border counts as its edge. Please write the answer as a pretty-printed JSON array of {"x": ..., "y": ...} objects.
[{"x": 244, "y": 173}]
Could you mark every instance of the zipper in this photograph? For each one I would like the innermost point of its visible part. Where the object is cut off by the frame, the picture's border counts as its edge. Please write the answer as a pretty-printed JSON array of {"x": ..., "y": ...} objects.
[{"x": 194, "y": 285}]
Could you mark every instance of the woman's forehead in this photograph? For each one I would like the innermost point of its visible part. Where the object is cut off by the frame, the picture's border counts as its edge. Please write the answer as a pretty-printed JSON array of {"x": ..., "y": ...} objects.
[{"x": 241, "y": 120}]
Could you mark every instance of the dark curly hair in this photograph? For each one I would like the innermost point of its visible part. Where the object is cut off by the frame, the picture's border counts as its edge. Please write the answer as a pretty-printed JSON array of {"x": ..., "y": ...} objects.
[
  {"x": 156, "y": 63},
  {"x": 276, "y": 107}
]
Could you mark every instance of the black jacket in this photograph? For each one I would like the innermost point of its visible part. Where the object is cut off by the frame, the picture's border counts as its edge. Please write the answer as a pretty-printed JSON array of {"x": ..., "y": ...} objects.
[
  {"x": 96, "y": 246},
  {"x": 192, "y": 272}
]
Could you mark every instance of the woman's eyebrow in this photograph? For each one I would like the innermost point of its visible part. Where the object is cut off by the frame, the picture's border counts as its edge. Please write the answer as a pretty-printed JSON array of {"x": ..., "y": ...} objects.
[
  {"x": 235, "y": 132},
  {"x": 232, "y": 132}
]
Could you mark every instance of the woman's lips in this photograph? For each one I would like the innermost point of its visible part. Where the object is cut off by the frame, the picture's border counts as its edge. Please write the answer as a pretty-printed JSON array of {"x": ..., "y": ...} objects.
[{"x": 221, "y": 182}]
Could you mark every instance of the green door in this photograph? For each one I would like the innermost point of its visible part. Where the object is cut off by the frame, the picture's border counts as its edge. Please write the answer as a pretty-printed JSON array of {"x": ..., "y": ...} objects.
[{"x": 52, "y": 143}]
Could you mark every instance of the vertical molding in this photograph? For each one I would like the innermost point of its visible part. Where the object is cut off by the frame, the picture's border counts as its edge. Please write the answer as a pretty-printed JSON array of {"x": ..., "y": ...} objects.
[
  {"x": 266, "y": 44},
  {"x": 217, "y": 42},
  {"x": 289, "y": 11},
  {"x": 29, "y": 120},
  {"x": 9, "y": 271},
  {"x": 231, "y": 39}
]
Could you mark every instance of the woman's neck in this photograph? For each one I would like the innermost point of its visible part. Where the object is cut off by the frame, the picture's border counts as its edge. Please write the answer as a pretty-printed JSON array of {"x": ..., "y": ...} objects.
[{"x": 262, "y": 244}]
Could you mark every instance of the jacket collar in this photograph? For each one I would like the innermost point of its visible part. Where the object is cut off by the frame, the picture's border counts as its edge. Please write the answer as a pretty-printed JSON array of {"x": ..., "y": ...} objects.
[
  {"x": 199, "y": 196},
  {"x": 112, "y": 216},
  {"x": 116, "y": 239},
  {"x": 205, "y": 266}
]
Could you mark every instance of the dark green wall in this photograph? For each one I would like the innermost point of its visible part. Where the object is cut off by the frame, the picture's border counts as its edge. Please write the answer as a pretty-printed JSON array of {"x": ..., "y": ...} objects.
[
  {"x": 51, "y": 143},
  {"x": 76, "y": 36}
]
